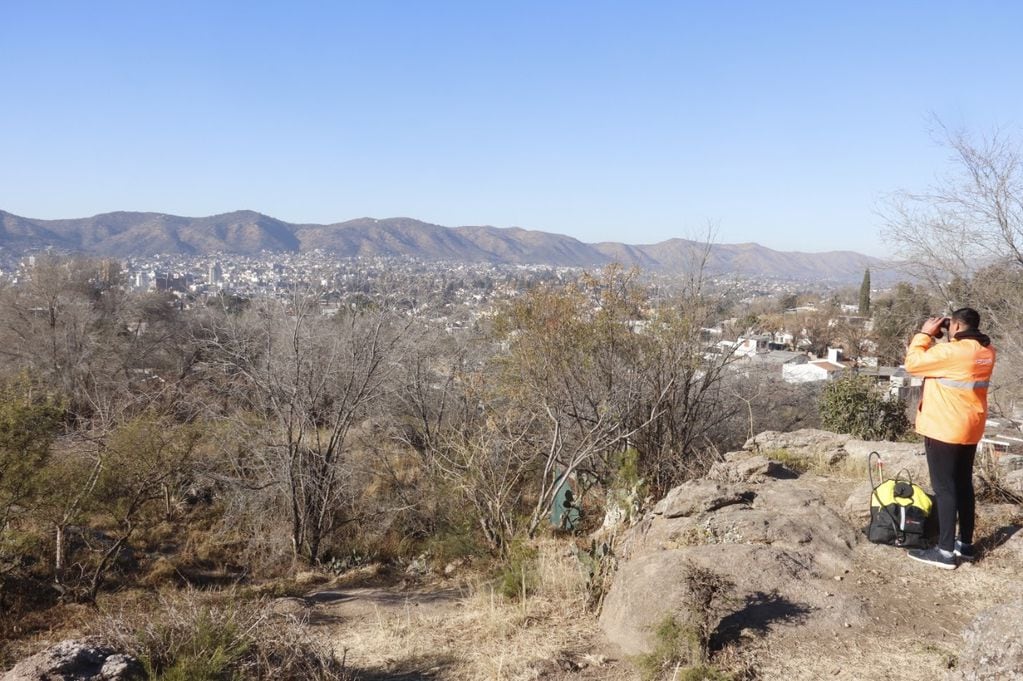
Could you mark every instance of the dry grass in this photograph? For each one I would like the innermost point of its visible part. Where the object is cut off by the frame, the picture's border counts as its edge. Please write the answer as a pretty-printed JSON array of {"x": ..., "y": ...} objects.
[
  {"x": 483, "y": 635},
  {"x": 201, "y": 636},
  {"x": 852, "y": 658}
]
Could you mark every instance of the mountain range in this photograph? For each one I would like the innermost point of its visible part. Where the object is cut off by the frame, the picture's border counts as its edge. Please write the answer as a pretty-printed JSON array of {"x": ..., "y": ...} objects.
[{"x": 132, "y": 234}]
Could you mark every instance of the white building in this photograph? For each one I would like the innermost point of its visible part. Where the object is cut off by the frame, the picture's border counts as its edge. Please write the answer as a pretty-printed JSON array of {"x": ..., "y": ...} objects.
[{"x": 819, "y": 370}]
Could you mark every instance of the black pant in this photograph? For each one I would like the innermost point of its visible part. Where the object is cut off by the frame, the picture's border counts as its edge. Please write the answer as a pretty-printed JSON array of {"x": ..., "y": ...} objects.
[{"x": 951, "y": 469}]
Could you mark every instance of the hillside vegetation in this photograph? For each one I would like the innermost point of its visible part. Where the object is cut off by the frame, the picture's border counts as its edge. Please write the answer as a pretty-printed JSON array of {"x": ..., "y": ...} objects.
[{"x": 209, "y": 483}]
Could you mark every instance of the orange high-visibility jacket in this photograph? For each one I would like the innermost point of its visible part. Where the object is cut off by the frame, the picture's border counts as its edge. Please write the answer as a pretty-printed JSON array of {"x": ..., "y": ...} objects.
[{"x": 956, "y": 374}]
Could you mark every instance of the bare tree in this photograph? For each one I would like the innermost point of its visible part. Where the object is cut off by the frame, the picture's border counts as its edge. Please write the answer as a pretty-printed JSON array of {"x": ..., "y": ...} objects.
[
  {"x": 573, "y": 366},
  {"x": 310, "y": 381},
  {"x": 964, "y": 237},
  {"x": 896, "y": 316},
  {"x": 489, "y": 461}
]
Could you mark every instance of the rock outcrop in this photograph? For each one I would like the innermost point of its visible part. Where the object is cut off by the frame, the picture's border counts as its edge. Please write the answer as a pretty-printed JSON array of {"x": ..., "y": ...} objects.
[
  {"x": 782, "y": 521},
  {"x": 823, "y": 449},
  {"x": 993, "y": 647},
  {"x": 750, "y": 520},
  {"x": 77, "y": 660}
]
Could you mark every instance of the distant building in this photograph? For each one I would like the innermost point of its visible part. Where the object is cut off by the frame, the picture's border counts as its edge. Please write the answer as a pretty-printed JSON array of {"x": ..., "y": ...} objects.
[
  {"x": 782, "y": 357},
  {"x": 907, "y": 387},
  {"x": 142, "y": 281},
  {"x": 748, "y": 346},
  {"x": 810, "y": 372},
  {"x": 215, "y": 275}
]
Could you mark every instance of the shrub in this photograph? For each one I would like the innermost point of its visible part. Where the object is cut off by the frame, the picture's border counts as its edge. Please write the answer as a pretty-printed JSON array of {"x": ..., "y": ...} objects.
[
  {"x": 518, "y": 576},
  {"x": 856, "y": 406},
  {"x": 682, "y": 642},
  {"x": 197, "y": 637}
]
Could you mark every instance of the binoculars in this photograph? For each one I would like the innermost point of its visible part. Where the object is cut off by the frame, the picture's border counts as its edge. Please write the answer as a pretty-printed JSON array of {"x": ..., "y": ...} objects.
[{"x": 943, "y": 329}]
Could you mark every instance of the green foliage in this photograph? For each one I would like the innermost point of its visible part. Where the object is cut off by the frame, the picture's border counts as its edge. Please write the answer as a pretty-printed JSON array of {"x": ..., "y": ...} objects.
[
  {"x": 628, "y": 488},
  {"x": 29, "y": 421},
  {"x": 896, "y": 316},
  {"x": 194, "y": 636},
  {"x": 787, "y": 301},
  {"x": 856, "y": 406},
  {"x": 454, "y": 540},
  {"x": 518, "y": 576},
  {"x": 800, "y": 464},
  {"x": 208, "y": 652},
  {"x": 675, "y": 647},
  {"x": 682, "y": 643},
  {"x": 141, "y": 457},
  {"x": 599, "y": 564},
  {"x": 747, "y": 323},
  {"x": 673, "y": 643},
  {"x": 865, "y": 293}
]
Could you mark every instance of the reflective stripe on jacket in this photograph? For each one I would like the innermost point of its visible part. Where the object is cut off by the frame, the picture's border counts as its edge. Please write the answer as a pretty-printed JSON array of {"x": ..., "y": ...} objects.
[{"x": 956, "y": 374}]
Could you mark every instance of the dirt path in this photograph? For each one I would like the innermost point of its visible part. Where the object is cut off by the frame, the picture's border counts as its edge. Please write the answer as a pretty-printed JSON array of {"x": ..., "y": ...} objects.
[
  {"x": 893, "y": 618},
  {"x": 460, "y": 631}
]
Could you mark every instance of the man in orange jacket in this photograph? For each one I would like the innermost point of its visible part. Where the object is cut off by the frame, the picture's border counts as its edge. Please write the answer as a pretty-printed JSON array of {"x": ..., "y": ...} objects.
[{"x": 951, "y": 417}]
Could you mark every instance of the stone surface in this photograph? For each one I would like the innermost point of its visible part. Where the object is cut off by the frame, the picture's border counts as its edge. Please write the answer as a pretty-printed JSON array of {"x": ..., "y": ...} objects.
[
  {"x": 121, "y": 667},
  {"x": 823, "y": 447},
  {"x": 741, "y": 467},
  {"x": 1013, "y": 481},
  {"x": 895, "y": 457},
  {"x": 993, "y": 646},
  {"x": 288, "y": 605},
  {"x": 782, "y": 526},
  {"x": 699, "y": 496},
  {"x": 77, "y": 660},
  {"x": 808, "y": 443},
  {"x": 786, "y": 585}
]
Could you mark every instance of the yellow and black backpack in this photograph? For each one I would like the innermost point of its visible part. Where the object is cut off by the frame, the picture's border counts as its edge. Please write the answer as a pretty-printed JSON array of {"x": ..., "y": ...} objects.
[{"x": 899, "y": 509}]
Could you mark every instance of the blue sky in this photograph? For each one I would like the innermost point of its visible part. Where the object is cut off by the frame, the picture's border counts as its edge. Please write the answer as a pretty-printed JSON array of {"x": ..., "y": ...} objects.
[{"x": 780, "y": 123}]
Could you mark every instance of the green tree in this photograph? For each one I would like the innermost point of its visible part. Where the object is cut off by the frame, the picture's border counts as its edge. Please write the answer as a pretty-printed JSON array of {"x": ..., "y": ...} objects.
[
  {"x": 855, "y": 405},
  {"x": 865, "y": 293},
  {"x": 30, "y": 419},
  {"x": 896, "y": 316}
]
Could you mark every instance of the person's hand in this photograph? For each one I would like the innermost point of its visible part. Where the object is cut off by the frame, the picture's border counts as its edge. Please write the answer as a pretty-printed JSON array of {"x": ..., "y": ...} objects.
[{"x": 931, "y": 326}]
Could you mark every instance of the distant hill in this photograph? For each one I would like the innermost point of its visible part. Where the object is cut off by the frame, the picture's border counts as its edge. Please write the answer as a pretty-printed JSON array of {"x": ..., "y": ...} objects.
[{"x": 126, "y": 234}]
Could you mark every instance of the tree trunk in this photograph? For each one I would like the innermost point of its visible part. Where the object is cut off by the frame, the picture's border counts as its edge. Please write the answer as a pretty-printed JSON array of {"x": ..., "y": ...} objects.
[{"x": 58, "y": 559}]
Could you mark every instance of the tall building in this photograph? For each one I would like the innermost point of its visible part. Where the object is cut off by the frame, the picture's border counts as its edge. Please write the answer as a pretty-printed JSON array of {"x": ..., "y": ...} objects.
[
  {"x": 216, "y": 273},
  {"x": 143, "y": 281}
]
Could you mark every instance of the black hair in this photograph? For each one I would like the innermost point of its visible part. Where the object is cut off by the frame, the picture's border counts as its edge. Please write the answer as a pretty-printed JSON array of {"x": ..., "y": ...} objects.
[{"x": 967, "y": 316}]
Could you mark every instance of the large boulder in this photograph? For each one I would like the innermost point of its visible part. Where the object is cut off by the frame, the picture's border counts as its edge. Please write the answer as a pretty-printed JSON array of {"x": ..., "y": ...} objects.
[
  {"x": 699, "y": 496},
  {"x": 993, "y": 646},
  {"x": 740, "y": 467},
  {"x": 77, "y": 660},
  {"x": 823, "y": 448},
  {"x": 895, "y": 457},
  {"x": 772, "y": 536},
  {"x": 808, "y": 443}
]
